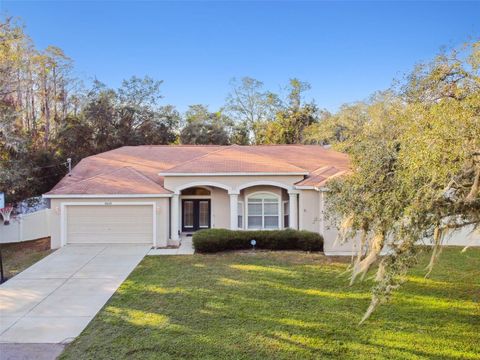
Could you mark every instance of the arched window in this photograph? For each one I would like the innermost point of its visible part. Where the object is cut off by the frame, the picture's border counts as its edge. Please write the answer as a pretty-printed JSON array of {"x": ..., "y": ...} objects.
[
  {"x": 263, "y": 211},
  {"x": 196, "y": 191}
]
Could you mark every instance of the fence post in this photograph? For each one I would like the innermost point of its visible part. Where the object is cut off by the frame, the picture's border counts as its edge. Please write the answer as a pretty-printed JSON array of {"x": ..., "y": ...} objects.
[{"x": 20, "y": 227}]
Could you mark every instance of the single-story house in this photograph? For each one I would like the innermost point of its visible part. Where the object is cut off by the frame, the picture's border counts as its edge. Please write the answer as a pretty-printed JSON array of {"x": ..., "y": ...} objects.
[{"x": 155, "y": 194}]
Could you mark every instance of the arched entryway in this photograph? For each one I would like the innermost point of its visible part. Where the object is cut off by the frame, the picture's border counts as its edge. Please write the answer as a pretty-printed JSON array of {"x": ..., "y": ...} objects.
[
  {"x": 263, "y": 205},
  {"x": 196, "y": 209},
  {"x": 199, "y": 205}
]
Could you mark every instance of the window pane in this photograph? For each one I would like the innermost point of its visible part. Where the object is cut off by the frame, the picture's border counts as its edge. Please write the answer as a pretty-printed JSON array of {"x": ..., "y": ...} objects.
[
  {"x": 254, "y": 209},
  {"x": 255, "y": 199},
  {"x": 268, "y": 197},
  {"x": 286, "y": 208},
  {"x": 240, "y": 215},
  {"x": 286, "y": 221},
  {"x": 203, "y": 214},
  {"x": 271, "y": 222},
  {"x": 188, "y": 214},
  {"x": 254, "y": 222},
  {"x": 195, "y": 191},
  {"x": 270, "y": 209}
]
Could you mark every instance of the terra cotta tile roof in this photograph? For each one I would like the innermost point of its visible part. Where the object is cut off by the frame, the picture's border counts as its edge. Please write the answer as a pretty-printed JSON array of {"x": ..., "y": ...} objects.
[
  {"x": 141, "y": 169},
  {"x": 236, "y": 159},
  {"x": 125, "y": 180},
  {"x": 320, "y": 177}
]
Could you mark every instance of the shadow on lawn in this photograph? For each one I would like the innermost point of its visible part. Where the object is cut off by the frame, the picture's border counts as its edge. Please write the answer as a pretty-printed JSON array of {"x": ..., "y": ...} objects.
[{"x": 256, "y": 308}]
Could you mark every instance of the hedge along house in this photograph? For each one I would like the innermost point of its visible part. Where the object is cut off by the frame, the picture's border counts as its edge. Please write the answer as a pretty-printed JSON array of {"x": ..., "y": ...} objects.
[{"x": 157, "y": 194}]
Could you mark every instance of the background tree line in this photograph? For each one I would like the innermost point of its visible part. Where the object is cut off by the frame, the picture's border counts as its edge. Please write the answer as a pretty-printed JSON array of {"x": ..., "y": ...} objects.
[{"x": 47, "y": 115}]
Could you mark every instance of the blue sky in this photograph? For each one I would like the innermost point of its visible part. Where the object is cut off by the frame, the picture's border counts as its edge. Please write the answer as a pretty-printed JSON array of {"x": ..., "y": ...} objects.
[{"x": 346, "y": 50}]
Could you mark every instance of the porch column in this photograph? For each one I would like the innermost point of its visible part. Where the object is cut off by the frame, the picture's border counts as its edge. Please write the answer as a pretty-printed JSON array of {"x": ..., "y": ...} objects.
[
  {"x": 174, "y": 210},
  {"x": 292, "y": 210},
  {"x": 233, "y": 211}
]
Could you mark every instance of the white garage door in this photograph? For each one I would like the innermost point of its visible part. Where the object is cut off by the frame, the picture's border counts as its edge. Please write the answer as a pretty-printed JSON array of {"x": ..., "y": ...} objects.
[{"x": 109, "y": 224}]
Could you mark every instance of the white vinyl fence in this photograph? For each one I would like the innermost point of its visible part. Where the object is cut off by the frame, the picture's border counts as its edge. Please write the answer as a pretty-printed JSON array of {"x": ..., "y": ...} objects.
[
  {"x": 462, "y": 237},
  {"x": 25, "y": 227}
]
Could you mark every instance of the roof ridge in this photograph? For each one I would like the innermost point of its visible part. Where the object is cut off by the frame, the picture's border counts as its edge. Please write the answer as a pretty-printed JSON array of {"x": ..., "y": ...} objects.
[
  {"x": 321, "y": 168},
  {"x": 99, "y": 155},
  {"x": 167, "y": 145},
  {"x": 122, "y": 161},
  {"x": 239, "y": 148},
  {"x": 268, "y": 156},
  {"x": 197, "y": 158},
  {"x": 143, "y": 176},
  {"x": 286, "y": 161}
]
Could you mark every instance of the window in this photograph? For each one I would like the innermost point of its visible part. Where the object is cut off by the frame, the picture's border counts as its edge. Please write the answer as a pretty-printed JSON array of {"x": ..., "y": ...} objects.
[
  {"x": 188, "y": 214},
  {"x": 240, "y": 215},
  {"x": 195, "y": 191},
  {"x": 203, "y": 214},
  {"x": 286, "y": 213},
  {"x": 263, "y": 211}
]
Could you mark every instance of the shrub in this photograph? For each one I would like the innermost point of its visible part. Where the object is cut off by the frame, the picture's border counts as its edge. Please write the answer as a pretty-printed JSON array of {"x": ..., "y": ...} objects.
[{"x": 215, "y": 240}]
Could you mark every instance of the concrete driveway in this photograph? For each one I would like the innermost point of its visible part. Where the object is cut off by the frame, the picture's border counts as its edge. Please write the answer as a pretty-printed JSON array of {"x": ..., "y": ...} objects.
[{"x": 55, "y": 299}]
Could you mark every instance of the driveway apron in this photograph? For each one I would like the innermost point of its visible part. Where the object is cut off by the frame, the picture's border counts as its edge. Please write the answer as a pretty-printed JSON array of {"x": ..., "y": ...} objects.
[{"x": 55, "y": 299}]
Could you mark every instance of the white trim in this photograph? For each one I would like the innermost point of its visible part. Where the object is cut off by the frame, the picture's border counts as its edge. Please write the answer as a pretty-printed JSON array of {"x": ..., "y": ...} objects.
[
  {"x": 233, "y": 211},
  {"x": 195, "y": 196},
  {"x": 175, "y": 214},
  {"x": 112, "y": 196},
  {"x": 279, "y": 198},
  {"x": 265, "y": 182},
  {"x": 234, "y": 174},
  {"x": 310, "y": 187},
  {"x": 63, "y": 216},
  {"x": 179, "y": 188},
  {"x": 305, "y": 187}
]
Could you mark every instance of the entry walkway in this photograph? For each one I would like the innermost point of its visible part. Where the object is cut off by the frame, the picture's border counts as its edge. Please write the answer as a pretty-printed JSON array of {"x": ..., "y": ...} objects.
[
  {"x": 185, "y": 248},
  {"x": 56, "y": 298}
]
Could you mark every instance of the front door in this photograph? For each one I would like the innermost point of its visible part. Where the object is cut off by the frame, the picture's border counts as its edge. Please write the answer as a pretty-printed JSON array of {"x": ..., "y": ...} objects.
[{"x": 195, "y": 214}]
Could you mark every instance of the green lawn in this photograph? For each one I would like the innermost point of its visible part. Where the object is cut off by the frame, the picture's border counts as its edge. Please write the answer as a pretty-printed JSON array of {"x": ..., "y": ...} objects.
[{"x": 283, "y": 305}]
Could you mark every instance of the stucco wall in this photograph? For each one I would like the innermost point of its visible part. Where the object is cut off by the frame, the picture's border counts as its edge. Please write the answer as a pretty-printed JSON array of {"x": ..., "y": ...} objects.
[
  {"x": 309, "y": 210},
  {"x": 311, "y": 205},
  {"x": 162, "y": 215},
  {"x": 232, "y": 182},
  {"x": 220, "y": 208}
]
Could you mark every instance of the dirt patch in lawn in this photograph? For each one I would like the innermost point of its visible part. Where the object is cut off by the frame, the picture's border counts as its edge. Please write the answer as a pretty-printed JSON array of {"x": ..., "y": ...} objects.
[{"x": 19, "y": 256}]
